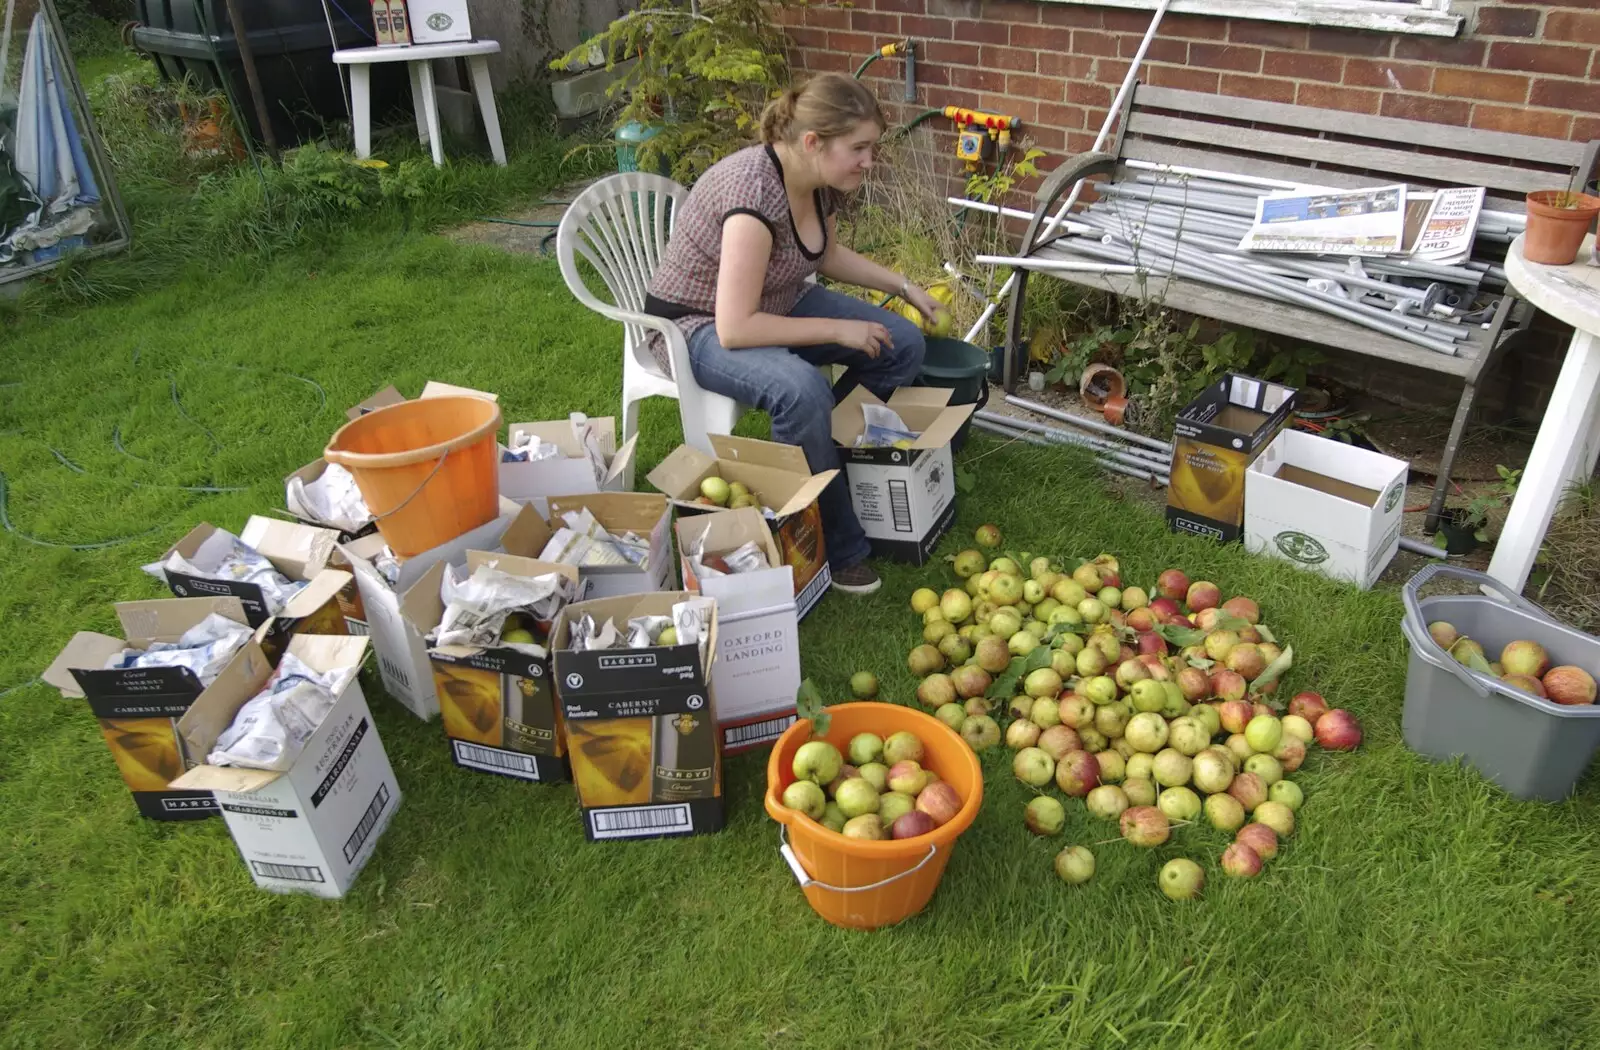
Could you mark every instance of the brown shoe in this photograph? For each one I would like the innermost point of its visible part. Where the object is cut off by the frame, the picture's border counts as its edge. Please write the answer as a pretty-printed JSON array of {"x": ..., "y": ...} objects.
[{"x": 856, "y": 579}]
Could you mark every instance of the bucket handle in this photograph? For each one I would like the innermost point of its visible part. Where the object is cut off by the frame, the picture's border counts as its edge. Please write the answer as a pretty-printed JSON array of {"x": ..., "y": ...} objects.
[
  {"x": 1416, "y": 628},
  {"x": 414, "y": 492},
  {"x": 806, "y": 880}
]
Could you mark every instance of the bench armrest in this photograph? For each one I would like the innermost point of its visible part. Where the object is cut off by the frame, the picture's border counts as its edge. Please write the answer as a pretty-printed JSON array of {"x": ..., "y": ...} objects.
[{"x": 1057, "y": 185}]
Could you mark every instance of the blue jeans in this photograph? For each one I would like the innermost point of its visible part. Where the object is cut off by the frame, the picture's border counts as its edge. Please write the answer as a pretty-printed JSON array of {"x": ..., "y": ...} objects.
[{"x": 784, "y": 383}]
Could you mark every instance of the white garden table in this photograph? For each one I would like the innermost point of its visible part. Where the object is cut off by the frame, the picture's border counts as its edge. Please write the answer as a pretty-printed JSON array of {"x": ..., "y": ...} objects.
[
  {"x": 1569, "y": 438},
  {"x": 418, "y": 59}
]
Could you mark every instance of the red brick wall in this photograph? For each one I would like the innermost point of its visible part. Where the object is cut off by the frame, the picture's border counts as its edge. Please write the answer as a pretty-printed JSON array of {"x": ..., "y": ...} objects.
[{"x": 1518, "y": 65}]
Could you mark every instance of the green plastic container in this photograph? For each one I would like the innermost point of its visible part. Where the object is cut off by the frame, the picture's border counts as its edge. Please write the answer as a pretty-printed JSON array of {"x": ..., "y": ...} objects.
[
  {"x": 629, "y": 137},
  {"x": 963, "y": 368}
]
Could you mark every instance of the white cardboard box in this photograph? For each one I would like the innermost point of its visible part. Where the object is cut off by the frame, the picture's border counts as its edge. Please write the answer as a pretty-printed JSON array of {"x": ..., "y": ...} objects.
[
  {"x": 643, "y": 513},
  {"x": 438, "y": 21},
  {"x": 402, "y": 655},
  {"x": 905, "y": 498},
  {"x": 1325, "y": 505},
  {"x": 571, "y": 473},
  {"x": 312, "y": 828},
  {"x": 756, "y": 672}
]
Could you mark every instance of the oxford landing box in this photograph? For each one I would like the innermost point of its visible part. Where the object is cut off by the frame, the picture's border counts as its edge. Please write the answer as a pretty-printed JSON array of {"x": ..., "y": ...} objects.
[
  {"x": 642, "y": 735},
  {"x": 905, "y": 498},
  {"x": 1215, "y": 439}
]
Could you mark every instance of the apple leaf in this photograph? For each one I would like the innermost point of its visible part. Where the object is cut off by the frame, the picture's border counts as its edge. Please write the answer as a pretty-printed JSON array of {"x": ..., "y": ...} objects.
[
  {"x": 1177, "y": 634},
  {"x": 808, "y": 704},
  {"x": 1230, "y": 622},
  {"x": 1005, "y": 684},
  {"x": 1202, "y": 664},
  {"x": 1275, "y": 669},
  {"x": 1266, "y": 635},
  {"x": 1474, "y": 658}
]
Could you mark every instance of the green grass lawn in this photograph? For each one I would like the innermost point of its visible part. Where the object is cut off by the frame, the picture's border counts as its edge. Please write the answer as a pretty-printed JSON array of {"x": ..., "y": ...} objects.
[{"x": 1416, "y": 906}]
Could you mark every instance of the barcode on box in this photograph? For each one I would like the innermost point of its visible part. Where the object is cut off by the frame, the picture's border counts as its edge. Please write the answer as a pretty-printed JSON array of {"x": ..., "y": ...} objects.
[
  {"x": 756, "y": 732},
  {"x": 899, "y": 506},
  {"x": 356, "y": 628},
  {"x": 293, "y": 872},
  {"x": 487, "y": 758},
  {"x": 369, "y": 820},
  {"x": 640, "y": 820}
]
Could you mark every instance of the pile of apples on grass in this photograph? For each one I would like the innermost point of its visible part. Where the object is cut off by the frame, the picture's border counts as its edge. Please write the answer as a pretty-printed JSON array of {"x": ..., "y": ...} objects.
[
  {"x": 883, "y": 792},
  {"x": 1120, "y": 698}
]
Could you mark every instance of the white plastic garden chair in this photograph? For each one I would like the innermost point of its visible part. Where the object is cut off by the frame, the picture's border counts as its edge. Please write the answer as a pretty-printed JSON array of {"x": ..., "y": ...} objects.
[{"x": 620, "y": 225}]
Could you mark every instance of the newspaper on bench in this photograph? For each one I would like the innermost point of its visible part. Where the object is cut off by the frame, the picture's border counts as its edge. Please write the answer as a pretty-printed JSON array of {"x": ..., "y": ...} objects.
[{"x": 1354, "y": 222}]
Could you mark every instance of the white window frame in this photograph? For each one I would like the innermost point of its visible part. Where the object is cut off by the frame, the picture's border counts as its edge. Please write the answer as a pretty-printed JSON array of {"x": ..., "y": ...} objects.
[{"x": 1423, "y": 17}]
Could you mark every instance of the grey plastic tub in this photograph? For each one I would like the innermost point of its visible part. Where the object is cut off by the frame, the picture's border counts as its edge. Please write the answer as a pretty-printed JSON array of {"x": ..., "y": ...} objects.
[{"x": 1532, "y": 747}]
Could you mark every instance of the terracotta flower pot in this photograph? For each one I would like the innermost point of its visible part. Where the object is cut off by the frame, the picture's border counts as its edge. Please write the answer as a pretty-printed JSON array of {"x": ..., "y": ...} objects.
[{"x": 1555, "y": 233}]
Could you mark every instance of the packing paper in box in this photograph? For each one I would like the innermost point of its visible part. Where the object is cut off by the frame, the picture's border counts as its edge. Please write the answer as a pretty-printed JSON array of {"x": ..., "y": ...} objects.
[
  {"x": 204, "y": 649},
  {"x": 690, "y": 618},
  {"x": 223, "y": 556},
  {"x": 332, "y": 500},
  {"x": 884, "y": 428},
  {"x": 645, "y": 631},
  {"x": 746, "y": 558},
  {"x": 583, "y": 541},
  {"x": 476, "y": 608},
  {"x": 527, "y": 448},
  {"x": 272, "y": 728},
  {"x": 588, "y": 436}
]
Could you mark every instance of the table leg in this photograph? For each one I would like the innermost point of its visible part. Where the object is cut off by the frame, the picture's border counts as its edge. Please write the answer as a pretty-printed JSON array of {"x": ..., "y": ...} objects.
[
  {"x": 361, "y": 109},
  {"x": 1565, "y": 443},
  {"x": 478, "y": 67},
  {"x": 414, "y": 71},
  {"x": 430, "y": 111}
]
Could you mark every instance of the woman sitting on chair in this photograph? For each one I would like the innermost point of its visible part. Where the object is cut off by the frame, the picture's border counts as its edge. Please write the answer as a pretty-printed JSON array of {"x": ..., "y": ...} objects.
[{"x": 755, "y": 227}]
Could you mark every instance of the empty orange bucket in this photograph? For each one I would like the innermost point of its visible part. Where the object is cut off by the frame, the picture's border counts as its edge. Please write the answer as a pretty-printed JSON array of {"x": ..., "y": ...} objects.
[
  {"x": 863, "y": 885},
  {"x": 428, "y": 469}
]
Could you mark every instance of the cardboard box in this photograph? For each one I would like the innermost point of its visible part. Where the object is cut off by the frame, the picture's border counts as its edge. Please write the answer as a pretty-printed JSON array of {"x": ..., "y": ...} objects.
[
  {"x": 389, "y": 395},
  {"x": 1217, "y": 436},
  {"x": 641, "y": 727},
  {"x": 298, "y": 551},
  {"x": 402, "y": 654},
  {"x": 309, "y": 473},
  {"x": 138, "y": 707},
  {"x": 779, "y": 475},
  {"x": 643, "y": 513},
  {"x": 312, "y": 828},
  {"x": 757, "y": 670},
  {"x": 496, "y": 702},
  {"x": 905, "y": 498},
  {"x": 1325, "y": 505},
  {"x": 571, "y": 473},
  {"x": 438, "y": 21}
]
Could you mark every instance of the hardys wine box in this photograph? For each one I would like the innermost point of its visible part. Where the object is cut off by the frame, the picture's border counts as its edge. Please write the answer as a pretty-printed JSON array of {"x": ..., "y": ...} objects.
[
  {"x": 642, "y": 734},
  {"x": 1215, "y": 439}
]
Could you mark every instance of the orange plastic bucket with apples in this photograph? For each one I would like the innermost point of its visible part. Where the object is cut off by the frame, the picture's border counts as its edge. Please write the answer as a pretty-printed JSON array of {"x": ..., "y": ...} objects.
[
  {"x": 427, "y": 469},
  {"x": 858, "y": 884}
]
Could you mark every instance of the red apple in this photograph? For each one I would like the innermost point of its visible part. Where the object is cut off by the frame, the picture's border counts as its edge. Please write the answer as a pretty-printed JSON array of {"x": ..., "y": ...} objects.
[
  {"x": 1194, "y": 683},
  {"x": 1142, "y": 619},
  {"x": 1235, "y": 715},
  {"x": 1338, "y": 730},
  {"x": 1077, "y": 773},
  {"x": 1290, "y": 753},
  {"x": 1151, "y": 643},
  {"x": 1144, "y": 825},
  {"x": 1165, "y": 607},
  {"x": 939, "y": 801},
  {"x": 1525, "y": 657},
  {"x": 912, "y": 824},
  {"x": 1309, "y": 706},
  {"x": 1244, "y": 608},
  {"x": 1206, "y": 619},
  {"x": 1058, "y": 740},
  {"x": 1203, "y": 594},
  {"x": 1125, "y": 653},
  {"x": 1240, "y": 861},
  {"x": 1249, "y": 789},
  {"x": 1260, "y": 838},
  {"x": 1228, "y": 685},
  {"x": 1173, "y": 585},
  {"x": 1527, "y": 683},
  {"x": 1258, "y": 709},
  {"x": 1569, "y": 685}
]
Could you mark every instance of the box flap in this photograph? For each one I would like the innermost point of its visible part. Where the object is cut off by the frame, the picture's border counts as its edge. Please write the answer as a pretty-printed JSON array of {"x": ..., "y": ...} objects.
[
  {"x": 237, "y": 779},
  {"x": 191, "y": 541},
  {"x": 848, "y": 422},
  {"x": 165, "y": 619},
  {"x": 920, "y": 397},
  {"x": 434, "y": 388},
  {"x": 527, "y": 568},
  {"x": 806, "y": 494},
  {"x": 323, "y": 588},
  {"x": 760, "y": 453},
  {"x": 308, "y": 473},
  {"x": 382, "y": 399},
  {"x": 559, "y": 432},
  {"x": 421, "y": 605},
  {"x": 327, "y": 652},
  {"x": 618, "y": 511},
  {"x": 944, "y": 427},
  {"x": 725, "y": 530},
  {"x": 680, "y": 474},
  {"x": 86, "y": 651},
  {"x": 213, "y": 710},
  {"x": 622, "y": 463},
  {"x": 526, "y": 536},
  {"x": 299, "y": 551}
]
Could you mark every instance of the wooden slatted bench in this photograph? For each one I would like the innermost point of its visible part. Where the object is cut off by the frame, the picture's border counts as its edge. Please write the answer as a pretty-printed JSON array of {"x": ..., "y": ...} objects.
[{"x": 1319, "y": 147}]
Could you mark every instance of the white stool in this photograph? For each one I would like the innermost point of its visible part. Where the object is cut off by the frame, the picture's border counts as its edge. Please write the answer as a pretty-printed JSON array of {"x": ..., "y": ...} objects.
[{"x": 418, "y": 59}]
